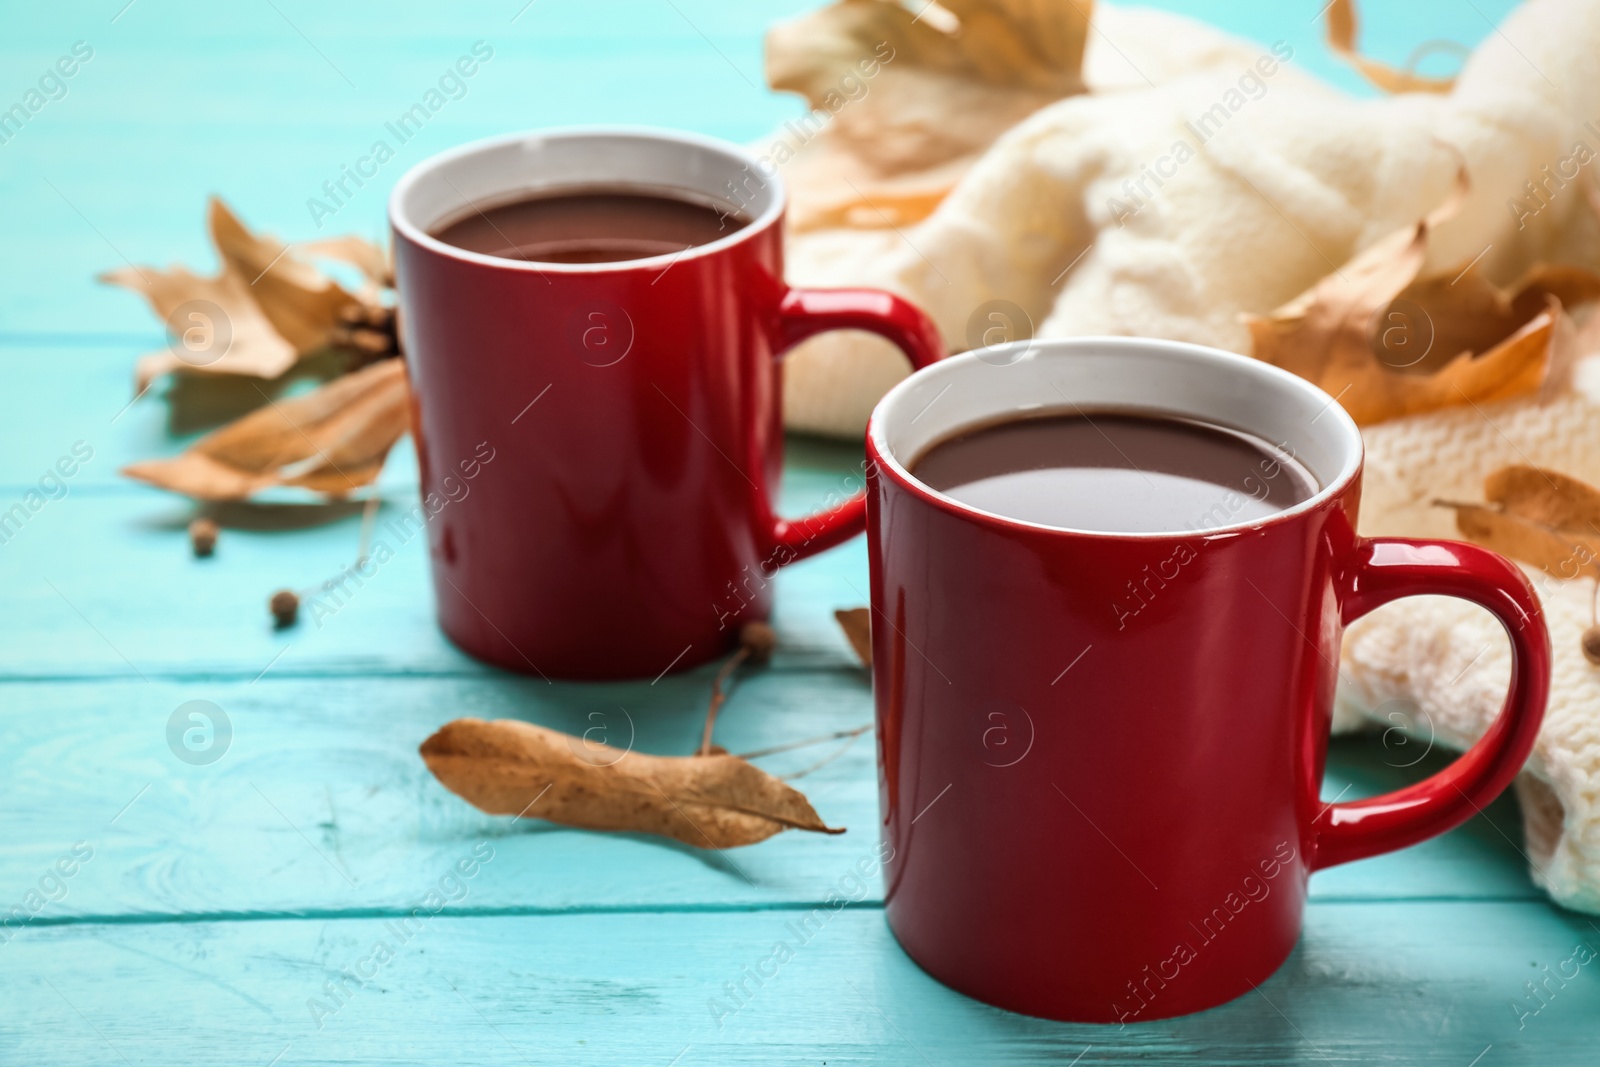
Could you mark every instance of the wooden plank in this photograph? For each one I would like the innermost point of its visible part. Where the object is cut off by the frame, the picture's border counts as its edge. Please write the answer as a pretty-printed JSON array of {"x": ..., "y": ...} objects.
[
  {"x": 105, "y": 583},
  {"x": 149, "y": 607},
  {"x": 1368, "y": 984},
  {"x": 319, "y": 804},
  {"x": 322, "y": 804}
]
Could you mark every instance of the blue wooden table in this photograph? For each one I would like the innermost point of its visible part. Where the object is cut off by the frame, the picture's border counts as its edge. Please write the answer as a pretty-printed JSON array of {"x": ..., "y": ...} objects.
[{"x": 228, "y": 911}]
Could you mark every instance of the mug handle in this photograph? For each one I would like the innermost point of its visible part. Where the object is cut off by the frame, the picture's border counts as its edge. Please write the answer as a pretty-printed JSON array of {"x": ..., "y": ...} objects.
[
  {"x": 1382, "y": 569},
  {"x": 805, "y": 313}
]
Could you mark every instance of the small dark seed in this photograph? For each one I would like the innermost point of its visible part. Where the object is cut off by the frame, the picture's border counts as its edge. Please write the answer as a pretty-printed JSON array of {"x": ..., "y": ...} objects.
[
  {"x": 759, "y": 640},
  {"x": 1591, "y": 645},
  {"x": 203, "y": 537},
  {"x": 285, "y": 607}
]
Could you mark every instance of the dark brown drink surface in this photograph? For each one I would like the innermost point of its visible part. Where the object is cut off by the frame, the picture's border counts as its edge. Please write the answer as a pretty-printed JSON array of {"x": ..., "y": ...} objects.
[
  {"x": 589, "y": 226},
  {"x": 1116, "y": 472}
]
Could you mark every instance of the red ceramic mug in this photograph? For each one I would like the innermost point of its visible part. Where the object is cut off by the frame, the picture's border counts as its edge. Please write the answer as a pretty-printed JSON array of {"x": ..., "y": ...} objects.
[
  {"x": 1101, "y": 754},
  {"x": 632, "y": 410}
]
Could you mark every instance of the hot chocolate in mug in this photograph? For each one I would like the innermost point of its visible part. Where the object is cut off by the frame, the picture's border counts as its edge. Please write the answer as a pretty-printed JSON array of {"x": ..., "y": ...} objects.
[
  {"x": 1101, "y": 753},
  {"x": 633, "y": 407}
]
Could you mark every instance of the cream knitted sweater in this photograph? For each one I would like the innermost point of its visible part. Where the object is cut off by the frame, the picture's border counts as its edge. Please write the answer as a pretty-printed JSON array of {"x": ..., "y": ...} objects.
[{"x": 1443, "y": 665}]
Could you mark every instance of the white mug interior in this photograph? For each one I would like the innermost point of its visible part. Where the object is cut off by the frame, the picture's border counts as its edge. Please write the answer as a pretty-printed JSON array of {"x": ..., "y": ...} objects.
[
  {"x": 485, "y": 174},
  {"x": 1089, "y": 374}
]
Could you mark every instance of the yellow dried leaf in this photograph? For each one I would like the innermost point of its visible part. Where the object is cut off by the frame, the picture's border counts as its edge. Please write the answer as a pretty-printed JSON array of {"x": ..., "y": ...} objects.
[
  {"x": 515, "y": 768},
  {"x": 857, "y": 626},
  {"x": 1387, "y": 344},
  {"x": 905, "y": 99},
  {"x": 1342, "y": 33},
  {"x": 1541, "y": 517},
  {"x": 332, "y": 440},
  {"x": 264, "y": 310}
]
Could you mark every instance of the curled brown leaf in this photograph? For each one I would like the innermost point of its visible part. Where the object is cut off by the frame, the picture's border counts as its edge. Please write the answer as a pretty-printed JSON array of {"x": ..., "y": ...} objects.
[
  {"x": 1547, "y": 497},
  {"x": 1343, "y": 29},
  {"x": 904, "y": 101},
  {"x": 1387, "y": 344},
  {"x": 1541, "y": 517},
  {"x": 508, "y": 767},
  {"x": 263, "y": 311},
  {"x": 332, "y": 440},
  {"x": 371, "y": 260},
  {"x": 857, "y": 626}
]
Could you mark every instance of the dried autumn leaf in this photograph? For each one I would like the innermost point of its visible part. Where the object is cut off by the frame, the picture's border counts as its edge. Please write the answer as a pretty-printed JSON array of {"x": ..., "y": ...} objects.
[
  {"x": 332, "y": 440},
  {"x": 1342, "y": 32},
  {"x": 911, "y": 98},
  {"x": 300, "y": 301},
  {"x": 1355, "y": 331},
  {"x": 1547, "y": 497},
  {"x": 1447, "y": 314},
  {"x": 857, "y": 626},
  {"x": 515, "y": 768},
  {"x": 1537, "y": 516},
  {"x": 360, "y": 253},
  {"x": 264, "y": 310},
  {"x": 1559, "y": 554},
  {"x": 230, "y": 336}
]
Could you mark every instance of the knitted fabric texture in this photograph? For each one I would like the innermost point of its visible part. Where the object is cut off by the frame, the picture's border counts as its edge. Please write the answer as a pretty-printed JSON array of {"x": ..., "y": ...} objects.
[{"x": 1439, "y": 667}]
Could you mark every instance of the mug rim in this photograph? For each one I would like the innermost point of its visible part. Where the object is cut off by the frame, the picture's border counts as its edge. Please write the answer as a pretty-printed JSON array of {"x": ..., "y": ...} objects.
[
  {"x": 428, "y": 168},
  {"x": 882, "y": 457}
]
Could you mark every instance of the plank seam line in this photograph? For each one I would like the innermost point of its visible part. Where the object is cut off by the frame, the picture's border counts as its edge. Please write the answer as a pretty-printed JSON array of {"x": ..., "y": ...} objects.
[
  {"x": 835, "y": 665},
  {"x": 359, "y": 914}
]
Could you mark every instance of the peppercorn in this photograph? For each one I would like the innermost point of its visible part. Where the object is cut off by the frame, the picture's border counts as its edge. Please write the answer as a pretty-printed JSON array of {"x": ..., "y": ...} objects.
[
  {"x": 1591, "y": 645},
  {"x": 203, "y": 537},
  {"x": 758, "y": 639},
  {"x": 285, "y": 608}
]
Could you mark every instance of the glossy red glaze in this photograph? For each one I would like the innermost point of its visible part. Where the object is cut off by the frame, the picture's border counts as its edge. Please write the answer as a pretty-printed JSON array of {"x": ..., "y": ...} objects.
[
  {"x": 1101, "y": 756},
  {"x": 624, "y": 524}
]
